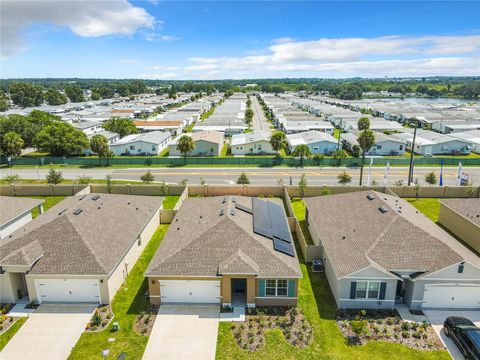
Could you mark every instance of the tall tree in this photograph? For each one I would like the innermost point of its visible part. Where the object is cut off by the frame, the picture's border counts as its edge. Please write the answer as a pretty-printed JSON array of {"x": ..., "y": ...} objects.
[
  {"x": 185, "y": 145},
  {"x": 4, "y": 102},
  {"x": 121, "y": 126},
  {"x": 278, "y": 140},
  {"x": 249, "y": 117},
  {"x": 74, "y": 93},
  {"x": 363, "y": 123},
  {"x": 366, "y": 140},
  {"x": 11, "y": 144},
  {"x": 302, "y": 185},
  {"x": 60, "y": 139},
  {"x": 26, "y": 94},
  {"x": 302, "y": 151},
  {"x": 99, "y": 145},
  {"x": 55, "y": 97}
]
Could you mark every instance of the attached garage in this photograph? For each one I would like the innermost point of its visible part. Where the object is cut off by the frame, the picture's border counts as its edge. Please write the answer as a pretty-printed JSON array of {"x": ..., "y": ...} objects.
[
  {"x": 68, "y": 290},
  {"x": 454, "y": 296},
  {"x": 190, "y": 291}
]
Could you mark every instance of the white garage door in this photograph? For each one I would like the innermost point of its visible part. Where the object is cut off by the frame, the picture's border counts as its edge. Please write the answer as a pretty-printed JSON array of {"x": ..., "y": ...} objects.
[
  {"x": 452, "y": 296},
  {"x": 190, "y": 291},
  {"x": 68, "y": 290}
]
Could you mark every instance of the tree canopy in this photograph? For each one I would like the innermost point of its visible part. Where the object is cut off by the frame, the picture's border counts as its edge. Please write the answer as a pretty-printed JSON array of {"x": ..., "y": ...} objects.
[
  {"x": 60, "y": 139},
  {"x": 55, "y": 97},
  {"x": 26, "y": 94},
  {"x": 11, "y": 144},
  {"x": 74, "y": 93},
  {"x": 121, "y": 126},
  {"x": 278, "y": 140}
]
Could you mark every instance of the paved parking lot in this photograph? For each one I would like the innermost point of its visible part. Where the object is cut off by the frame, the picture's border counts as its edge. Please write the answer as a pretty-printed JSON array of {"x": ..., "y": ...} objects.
[
  {"x": 437, "y": 317},
  {"x": 50, "y": 333},
  {"x": 184, "y": 332}
]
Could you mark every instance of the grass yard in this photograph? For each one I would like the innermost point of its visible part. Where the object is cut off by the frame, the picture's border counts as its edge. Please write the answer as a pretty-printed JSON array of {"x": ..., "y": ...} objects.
[
  {"x": 170, "y": 201},
  {"x": 49, "y": 202},
  {"x": 224, "y": 150},
  {"x": 8, "y": 335},
  {"x": 336, "y": 133},
  {"x": 318, "y": 305},
  {"x": 429, "y": 206},
  {"x": 129, "y": 301},
  {"x": 299, "y": 209}
]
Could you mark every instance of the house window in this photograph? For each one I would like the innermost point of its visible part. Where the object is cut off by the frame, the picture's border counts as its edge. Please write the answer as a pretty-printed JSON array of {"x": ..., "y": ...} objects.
[
  {"x": 361, "y": 292},
  {"x": 367, "y": 290},
  {"x": 153, "y": 147},
  {"x": 276, "y": 287},
  {"x": 379, "y": 146},
  {"x": 132, "y": 147},
  {"x": 373, "y": 289},
  {"x": 460, "y": 268},
  {"x": 401, "y": 147}
]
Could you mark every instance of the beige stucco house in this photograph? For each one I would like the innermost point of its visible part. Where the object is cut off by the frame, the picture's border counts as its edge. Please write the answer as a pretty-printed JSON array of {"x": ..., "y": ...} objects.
[
  {"x": 206, "y": 143},
  {"x": 80, "y": 250},
  {"x": 235, "y": 251},
  {"x": 16, "y": 212}
]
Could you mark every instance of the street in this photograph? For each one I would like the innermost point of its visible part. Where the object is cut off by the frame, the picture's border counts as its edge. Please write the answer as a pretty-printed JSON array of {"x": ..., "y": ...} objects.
[
  {"x": 260, "y": 122},
  {"x": 258, "y": 176}
]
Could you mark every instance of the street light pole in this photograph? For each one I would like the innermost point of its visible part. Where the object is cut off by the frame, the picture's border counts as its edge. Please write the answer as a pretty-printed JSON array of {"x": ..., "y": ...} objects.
[{"x": 410, "y": 169}]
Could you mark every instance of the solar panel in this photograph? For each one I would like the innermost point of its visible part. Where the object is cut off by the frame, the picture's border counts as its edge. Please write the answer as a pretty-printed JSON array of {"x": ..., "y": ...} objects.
[
  {"x": 283, "y": 247},
  {"x": 261, "y": 218},
  {"x": 279, "y": 222},
  {"x": 244, "y": 208}
]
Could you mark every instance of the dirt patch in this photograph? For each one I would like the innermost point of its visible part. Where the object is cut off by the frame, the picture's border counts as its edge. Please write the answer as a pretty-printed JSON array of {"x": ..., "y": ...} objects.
[
  {"x": 360, "y": 327},
  {"x": 6, "y": 322},
  {"x": 250, "y": 335},
  {"x": 101, "y": 318},
  {"x": 144, "y": 322}
]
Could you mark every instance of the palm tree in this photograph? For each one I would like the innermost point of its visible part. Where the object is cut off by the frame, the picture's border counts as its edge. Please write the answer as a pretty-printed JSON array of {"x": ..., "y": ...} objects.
[
  {"x": 366, "y": 140},
  {"x": 302, "y": 151},
  {"x": 278, "y": 141},
  {"x": 344, "y": 178},
  {"x": 185, "y": 145}
]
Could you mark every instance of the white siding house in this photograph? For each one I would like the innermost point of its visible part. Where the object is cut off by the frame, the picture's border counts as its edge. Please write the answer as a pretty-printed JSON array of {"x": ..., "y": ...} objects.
[
  {"x": 318, "y": 142},
  {"x": 151, "y": 143},
  {"x": 254, "y": 143}
]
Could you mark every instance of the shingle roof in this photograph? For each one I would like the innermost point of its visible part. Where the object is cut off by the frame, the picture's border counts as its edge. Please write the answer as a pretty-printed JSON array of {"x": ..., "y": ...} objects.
[
  {"x": 89, "y": 243},
  {"x": 12, "y": 207},
  {"x": 468, "y": 208},
  {"x": 154, "y": 137},
  {"x": 201, "y": 242},
  {"x": 356, "y": 234}
]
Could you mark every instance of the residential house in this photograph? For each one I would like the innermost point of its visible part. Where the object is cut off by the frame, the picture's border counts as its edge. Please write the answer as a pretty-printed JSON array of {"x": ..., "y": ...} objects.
[
  {"x": 175, "y": 127},
  {"x": 15, "y": 212},
  {"x": 318, "y": 142},
  {"x": 253, "y": 143},
  {"x": 88, "y": 127},
  {"x": 472, "y": 136},
  {"x": 150, "y": 143},
  {"x": 429, "y": 142},
  {"x": 206, "y": 143},
  {"x": 231, "y": 250},
  {"x": 81, "y": 250},
  {"x": 384, "y": 144},
  {"x": 111, "y": 137},
  {"x": 379, "y": 251}
]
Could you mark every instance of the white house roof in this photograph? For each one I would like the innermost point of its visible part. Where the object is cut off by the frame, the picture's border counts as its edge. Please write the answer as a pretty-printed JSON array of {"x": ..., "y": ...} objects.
[
  {"x": 472, "y": 136},
  {"x": 154, "y": 137},
  {"x": 246, "y": 138},
  {"x": 310, "y": 137}
]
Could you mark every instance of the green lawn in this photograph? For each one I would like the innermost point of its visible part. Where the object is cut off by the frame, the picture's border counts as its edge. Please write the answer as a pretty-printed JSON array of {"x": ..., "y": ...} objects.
[
  {"x": 189, "y": 128},
  {"x": 165, "y": 152},
  {"x": 129, "y": 301},
  {"x": 49, "y": 202},
  {"x": 336, "y": 133},
  {"x": 170, "y": 201},
  {"x": 224, "y": 150},
  {"x": 8, "y": 335},
  {"x": 429, "y": 206},
  {"x": 299, "y": 209},
  {"x": 317, "y": 303}
]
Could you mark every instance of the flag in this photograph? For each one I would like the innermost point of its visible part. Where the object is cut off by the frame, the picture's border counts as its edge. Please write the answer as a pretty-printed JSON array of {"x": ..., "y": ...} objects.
[
  {"x": 459, "y": 174},
  {"x": 441, "y": 173},
  {"x": 369, "y": 170},
  {"x": 386, "y": 173}
]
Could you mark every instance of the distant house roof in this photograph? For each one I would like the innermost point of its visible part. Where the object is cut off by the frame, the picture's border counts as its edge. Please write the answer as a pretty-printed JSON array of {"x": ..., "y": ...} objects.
[
  {"x": 86, "y": 125},
  {"x": 358, "y": 232},
  {"x": 154, "y": 137},
  {"x": 211, "y": 237},
  {"x": 158, "y": 123},
  {"x": 247, "y": 138},
  {"x": 468, "y": 208},
  {"x": 108, "y": 134},
  {"x": 92, "y": 241},
  {"x": 13, "y": 207},
  {"x": 209, "y": 136},
  {"x": 310, "y": 137}
]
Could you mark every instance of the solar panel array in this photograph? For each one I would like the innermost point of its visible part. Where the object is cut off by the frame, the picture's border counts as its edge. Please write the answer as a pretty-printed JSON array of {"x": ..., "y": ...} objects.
[{"x": 269, "y": 220}]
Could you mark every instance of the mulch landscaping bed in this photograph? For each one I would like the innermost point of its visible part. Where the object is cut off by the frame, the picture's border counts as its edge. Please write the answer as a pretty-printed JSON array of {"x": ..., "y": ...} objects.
[
  {"x": 144, "y": 322},
  {"x": 362, "y": 326},
  {"x": 101, "y": 318},
  {"x": 250, "y": 335}
]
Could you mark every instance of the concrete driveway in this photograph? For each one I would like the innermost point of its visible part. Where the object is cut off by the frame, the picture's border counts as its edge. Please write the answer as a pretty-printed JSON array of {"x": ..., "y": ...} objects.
[
  {"x": 437, "y": 317},
  {"x": 184, "y": 332},
  {"x": 50, "y": 332}
]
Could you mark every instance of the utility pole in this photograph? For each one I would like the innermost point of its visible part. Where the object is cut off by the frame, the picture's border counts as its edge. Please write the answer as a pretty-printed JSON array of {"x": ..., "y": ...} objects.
[{"x": 410, "y": 169}]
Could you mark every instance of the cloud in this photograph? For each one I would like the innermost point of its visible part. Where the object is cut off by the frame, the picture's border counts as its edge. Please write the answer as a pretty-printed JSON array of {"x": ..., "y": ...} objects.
[
  {"x": 153, "y": 36},
  {"x": 86, "y": 18},
  {"x": 129, "y": 61},
  {"x": 161, "y": 76},
  {"x": 165, "y": 68}
]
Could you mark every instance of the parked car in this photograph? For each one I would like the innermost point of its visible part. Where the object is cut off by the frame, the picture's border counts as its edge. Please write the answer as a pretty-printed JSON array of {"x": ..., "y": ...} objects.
[{"x": 465, "y": 335}]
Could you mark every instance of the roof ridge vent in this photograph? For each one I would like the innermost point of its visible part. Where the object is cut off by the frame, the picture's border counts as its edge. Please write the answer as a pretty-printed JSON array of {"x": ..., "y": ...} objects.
[
  {"x": 61, "y": 212},
  {"x": 77, "y": 211},
  {"x": 96, "y": 197}
]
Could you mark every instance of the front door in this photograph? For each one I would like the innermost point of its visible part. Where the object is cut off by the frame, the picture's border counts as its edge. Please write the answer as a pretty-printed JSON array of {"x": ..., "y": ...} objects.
[{"x": 239, "y": 292}]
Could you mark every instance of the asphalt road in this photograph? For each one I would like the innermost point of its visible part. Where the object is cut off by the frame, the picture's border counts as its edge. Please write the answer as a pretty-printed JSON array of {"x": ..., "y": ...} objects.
[
  {"x": 259, "y": 176},
  {"x": 260, "y": 122}
]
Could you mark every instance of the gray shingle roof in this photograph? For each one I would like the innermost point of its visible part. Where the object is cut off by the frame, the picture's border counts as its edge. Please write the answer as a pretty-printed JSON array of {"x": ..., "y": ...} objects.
[
  {"x": 356, "y": 234},
  {"x": 468, "y": 208},
  {"x": 11, "y": 207},
  {"x": 201, "y": 242},
  {"x": 90, "y": 243}
]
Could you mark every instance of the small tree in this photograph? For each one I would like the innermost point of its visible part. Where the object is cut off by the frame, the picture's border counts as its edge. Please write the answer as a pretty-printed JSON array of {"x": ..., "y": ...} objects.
[
  {"x": 325, "y": 191},
  {"x": 243, "y": 179},
  {"x": 278, "y": 140},
  {"x": 147, "y": 177},
  {"x": 339, "y": 155},
  {"x": 163, "y": 188},
  {"x": 302, "y": 185},
  {"x": 54, "y": 177},
  {"x": 344, "y": 178},
  {"x": 11, "y": 144},
  {"x": 249, "y": 117},
  {"x": 302, "y": 151},
  {"x": 185, "y": 145},
  {"x": 183, "y": 182},
  {"x": 11, "y": 179},
  {"x": 431, "y": 178},
  {"x": 99, "y": 145}
]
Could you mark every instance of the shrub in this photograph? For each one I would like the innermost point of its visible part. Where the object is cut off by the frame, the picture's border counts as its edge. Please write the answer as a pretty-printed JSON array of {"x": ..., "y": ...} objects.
[
  {"x": 406, "y": 326},
  {"x": 359, "y": 326},
  {"x": 390, "y": 321},
  {"x": 416, "y": 335},
  {"x": 96, "y": 320},
  {"x": 109, "y": 316},
  {"x": 362, "y": 312},
  {"x": 405, "y": 334}
]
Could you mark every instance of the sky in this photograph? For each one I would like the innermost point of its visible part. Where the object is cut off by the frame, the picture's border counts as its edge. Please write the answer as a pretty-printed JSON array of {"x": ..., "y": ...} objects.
[{"x": 176, "y": 40}]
